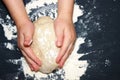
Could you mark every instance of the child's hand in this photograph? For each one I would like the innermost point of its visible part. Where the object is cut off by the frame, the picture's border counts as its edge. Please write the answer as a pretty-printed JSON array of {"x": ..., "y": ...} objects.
[
  {"x": 66, "y": 37},
  {"x": 25, "y": 33}
]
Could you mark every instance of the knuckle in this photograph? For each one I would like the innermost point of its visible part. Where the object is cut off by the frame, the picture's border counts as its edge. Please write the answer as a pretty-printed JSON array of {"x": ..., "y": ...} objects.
[{"x": 71, "y": 38}]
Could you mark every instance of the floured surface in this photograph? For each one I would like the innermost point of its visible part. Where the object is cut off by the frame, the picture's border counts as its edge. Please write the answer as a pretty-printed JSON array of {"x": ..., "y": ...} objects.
[
  {"x": 35, "y": 9},
  {"x": 64, "y": 73},
  {"x": 96, "y": 56},
  {"x": 72, "y": 69}
]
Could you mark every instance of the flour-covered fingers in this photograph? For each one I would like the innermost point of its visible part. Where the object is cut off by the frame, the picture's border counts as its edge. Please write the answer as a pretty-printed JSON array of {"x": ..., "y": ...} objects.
[
  {"x": 65, "y": 57},
  {"x": 33, "y": 66},
  {"x": 31, "y": 55}
]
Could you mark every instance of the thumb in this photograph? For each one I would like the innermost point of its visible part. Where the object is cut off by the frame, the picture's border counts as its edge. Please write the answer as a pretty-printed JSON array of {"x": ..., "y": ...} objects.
[
  {"x": 27, "y": 39},
  {"x": 60, "y": 38}
]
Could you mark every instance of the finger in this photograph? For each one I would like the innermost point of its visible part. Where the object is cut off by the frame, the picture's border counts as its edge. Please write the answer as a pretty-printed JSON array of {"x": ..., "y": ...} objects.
[
  {"x": 60, "y": 37},
  {"x": 32, "y": 69},
  {"x": 59, "y": 41},
  {"x": 33, "y": 66},
  {"x": 65, "y": 57},
  {"x": 31, "y": 55},
  {"x": 27, "y": 50},
  {"x": 27, "y": 39},
  {"x": 63, "y": 49}
]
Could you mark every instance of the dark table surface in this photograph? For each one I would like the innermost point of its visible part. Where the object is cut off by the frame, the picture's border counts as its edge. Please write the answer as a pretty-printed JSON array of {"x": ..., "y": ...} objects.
[{"x": 99, "y": 25}]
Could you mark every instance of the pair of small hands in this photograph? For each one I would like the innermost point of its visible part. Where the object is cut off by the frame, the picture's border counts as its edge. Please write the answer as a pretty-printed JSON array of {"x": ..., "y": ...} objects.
[{"x": 66, "y": 36}]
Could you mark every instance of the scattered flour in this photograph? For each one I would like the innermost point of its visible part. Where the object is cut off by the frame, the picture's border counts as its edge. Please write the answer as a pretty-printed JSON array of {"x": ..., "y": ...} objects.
[
  {"x": 73, "y": 68},
  {"x": 9, "y": 31}
]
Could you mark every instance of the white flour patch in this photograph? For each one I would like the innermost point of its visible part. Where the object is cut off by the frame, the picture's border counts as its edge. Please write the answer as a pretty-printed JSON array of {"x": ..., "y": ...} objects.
[
  {"x": 9, "y": 46},
  {"x": 38, "y": 3},
  {"x": 77, "y": 12},
  {"x": 9, "y": 31},
  {"x": 74, "y": 68}
]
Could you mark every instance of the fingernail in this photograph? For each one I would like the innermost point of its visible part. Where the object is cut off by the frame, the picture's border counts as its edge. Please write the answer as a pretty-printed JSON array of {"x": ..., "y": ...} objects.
[
  {"x": 59, "y": 43},
  {"x": 30, "y": 42}
]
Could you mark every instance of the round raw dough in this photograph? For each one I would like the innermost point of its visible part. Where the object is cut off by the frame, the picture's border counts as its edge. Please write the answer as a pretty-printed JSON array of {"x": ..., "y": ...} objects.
[{"x": 44, "y": 44}]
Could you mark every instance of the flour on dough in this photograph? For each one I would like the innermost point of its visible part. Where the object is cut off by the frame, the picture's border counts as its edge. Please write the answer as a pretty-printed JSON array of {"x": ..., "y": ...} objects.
[{"x": 44, "y": 44}]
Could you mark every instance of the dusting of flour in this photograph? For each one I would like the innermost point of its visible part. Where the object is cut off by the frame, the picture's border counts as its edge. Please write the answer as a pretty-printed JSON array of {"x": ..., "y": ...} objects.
[{"x": 73, "y": 68}]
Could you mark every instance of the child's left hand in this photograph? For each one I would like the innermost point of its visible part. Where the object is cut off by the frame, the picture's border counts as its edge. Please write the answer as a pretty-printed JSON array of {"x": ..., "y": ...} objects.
[{"x": 66, "y": 36}]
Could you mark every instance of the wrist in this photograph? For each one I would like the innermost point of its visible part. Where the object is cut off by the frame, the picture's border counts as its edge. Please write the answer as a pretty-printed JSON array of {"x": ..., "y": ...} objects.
[
  {"x": 23, "y": 23},
  {"x": 66, "y": 17}
]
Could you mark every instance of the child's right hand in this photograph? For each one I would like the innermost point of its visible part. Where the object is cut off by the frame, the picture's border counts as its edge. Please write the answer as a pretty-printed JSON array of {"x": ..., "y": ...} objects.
[{"x": 25, "y": 33}]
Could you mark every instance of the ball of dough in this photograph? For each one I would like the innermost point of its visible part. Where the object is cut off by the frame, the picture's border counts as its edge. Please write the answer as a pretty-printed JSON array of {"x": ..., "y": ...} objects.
[{"x": 44, "y": 44}]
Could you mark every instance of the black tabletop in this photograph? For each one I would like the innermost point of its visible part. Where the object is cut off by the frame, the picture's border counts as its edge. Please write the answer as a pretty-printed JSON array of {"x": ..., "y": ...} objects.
[{"x": 99, "y": 25}]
